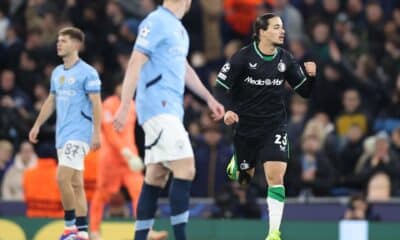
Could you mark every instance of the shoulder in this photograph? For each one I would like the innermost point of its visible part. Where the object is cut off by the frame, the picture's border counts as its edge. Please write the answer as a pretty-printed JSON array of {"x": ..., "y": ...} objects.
[
  {"x": 242, "y": 55},
  {"x": 285, "y": 53},
  {"x": 88, "y": 69},
  {"x": 58, "y": 69}
]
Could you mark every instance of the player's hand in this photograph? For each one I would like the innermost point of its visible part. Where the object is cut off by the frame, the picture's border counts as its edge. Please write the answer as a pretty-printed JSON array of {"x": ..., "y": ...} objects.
[
  {"x": 311, "y": 68},
  {"x": 216, "y": 108},
  {"x": 230, "y": 118},
  {"x": 95, "y": 141},
  {"x": 33, "y": 134},
  {"x": 120, "y": 118},
  {"x": 135, "y": 163}
]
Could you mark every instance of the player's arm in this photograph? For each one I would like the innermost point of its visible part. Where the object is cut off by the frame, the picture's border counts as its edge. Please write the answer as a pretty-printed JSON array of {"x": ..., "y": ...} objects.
[
  {"x": 226, "y": 77},
  {"x": 300, "y": 82},
  {"x": 95, "y": 99},
  {"x": 44, "y": 114},
  {"x": 131, "y": 78},
  {"x": 194, "y": 83}
]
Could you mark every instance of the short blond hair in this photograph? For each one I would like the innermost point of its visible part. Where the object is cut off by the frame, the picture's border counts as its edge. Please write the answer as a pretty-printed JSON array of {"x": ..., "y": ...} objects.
[{"x": 73, "y": 32}]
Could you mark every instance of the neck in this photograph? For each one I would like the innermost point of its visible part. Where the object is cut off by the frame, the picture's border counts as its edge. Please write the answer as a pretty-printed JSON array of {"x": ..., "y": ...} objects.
[
  {"x": 176, "y": 7},
  {"x": 266, "y": 48},
  {"x": 70, "y": 60}
]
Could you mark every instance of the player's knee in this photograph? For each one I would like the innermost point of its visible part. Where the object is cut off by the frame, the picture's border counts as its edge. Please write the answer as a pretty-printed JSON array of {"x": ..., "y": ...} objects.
[
  {"x": 62, "y": 180},
  {"x": 157, "y": 179},
  {"x": 191, "y": 172},
  {"x": 77, "y": 185},
  {"x": 275, "y": 179}
]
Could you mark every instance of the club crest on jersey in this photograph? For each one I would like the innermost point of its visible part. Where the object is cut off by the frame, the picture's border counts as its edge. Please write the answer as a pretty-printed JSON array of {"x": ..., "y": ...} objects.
[
  {"x": 226, "y": 68},
  {"x": 281, "y": 67},
  {"x": 61, "y": 80},
  {"x": 252, "y": 65}
]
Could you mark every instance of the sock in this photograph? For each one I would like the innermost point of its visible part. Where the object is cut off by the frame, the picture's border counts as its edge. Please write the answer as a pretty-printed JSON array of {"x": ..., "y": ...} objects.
[
  {"x": 82, "y": 226},
  {"x": 69, "y": 218},
  {"x": 146, "y": 210},
  {"x": 275, "y": 200},
  {"x": 179, "y": 200}
]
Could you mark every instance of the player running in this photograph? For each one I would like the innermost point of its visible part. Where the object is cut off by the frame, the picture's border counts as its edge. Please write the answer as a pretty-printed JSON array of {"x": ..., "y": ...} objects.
[{"x": 255, "y": 81}]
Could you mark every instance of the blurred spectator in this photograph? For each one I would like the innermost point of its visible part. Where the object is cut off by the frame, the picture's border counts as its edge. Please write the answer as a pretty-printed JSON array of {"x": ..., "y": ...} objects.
[
  {"x": 13, "y": 47},
  {"x": 297, "y": 121},
  {"x": 6, "y": 153},
  {"x": 320, "y": 35},
  {"x": 352, "y": 114},
  {"x": 330, "y": 9},
  {"x": 212, "y": 154},
  {"x": 375, "y": 36},
  {"x": 26, "y": 158},
  {"x": 359, "y": 209},
  {"x": 291, "y": 17},
  {"x": 349, "y": 155},
  {"x": 212, "y": 11},
  {"x": 310, "y": 172},
  {"x": 382, "y": 160},
  {"x": 379, "y": 188},
  {"x": 355, "y": 11},
  {"x": 235, "y": 201}
]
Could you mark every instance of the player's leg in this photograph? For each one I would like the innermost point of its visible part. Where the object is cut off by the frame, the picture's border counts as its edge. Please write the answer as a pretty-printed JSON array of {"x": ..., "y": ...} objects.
[
  {"x": 64, "y": 182},
  {"x": 274, "y": 172},
  {"x": 81, "y": 205},
  {"x": 133, "y": 181},
  {"x": 274, "y": 154},
  {"x": 109, "y": 181},
  {"x": 241, "y": 165},
  {"x": 183, "y": 171},
  {"x": 155, "y": 179}
]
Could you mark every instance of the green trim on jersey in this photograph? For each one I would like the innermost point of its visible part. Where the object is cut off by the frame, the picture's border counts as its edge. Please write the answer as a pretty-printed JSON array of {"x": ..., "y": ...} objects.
[
  {"x": 298, "y": 85},
  {"x": 222, "y": 84},
  {"x": 263, "y": 56}
]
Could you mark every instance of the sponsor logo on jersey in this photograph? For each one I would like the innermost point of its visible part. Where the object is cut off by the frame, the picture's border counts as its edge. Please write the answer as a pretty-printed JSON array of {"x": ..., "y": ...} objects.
[
  {"x": 264, "y": 82},
  {"x": 252, "y": 65},
  {"x": 226, "y": 68},
  {"x": 221, "y": 76},
  {"x": 281, "y": 67}
]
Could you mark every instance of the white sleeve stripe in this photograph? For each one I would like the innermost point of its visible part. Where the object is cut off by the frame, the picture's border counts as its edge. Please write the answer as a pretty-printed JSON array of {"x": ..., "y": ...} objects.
[
  {"x": 222, "y": 84},
  {"x": 298, "y": 85}
]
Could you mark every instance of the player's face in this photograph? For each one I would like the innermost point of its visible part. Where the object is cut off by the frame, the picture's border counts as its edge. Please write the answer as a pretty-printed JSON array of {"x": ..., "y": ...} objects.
[
  {"x": 66, "y": 45},
  {"x": 275, "y": 33}
]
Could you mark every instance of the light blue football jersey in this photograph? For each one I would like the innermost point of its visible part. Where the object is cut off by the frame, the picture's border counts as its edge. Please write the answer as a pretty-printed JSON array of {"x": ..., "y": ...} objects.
[
  {"x": 164, "y": 39},
  {"x": 71, "y": 88}
]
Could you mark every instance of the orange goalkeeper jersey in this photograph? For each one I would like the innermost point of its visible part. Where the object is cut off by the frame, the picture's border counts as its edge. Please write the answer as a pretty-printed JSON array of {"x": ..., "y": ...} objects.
[{"x": 112, "y": 141}]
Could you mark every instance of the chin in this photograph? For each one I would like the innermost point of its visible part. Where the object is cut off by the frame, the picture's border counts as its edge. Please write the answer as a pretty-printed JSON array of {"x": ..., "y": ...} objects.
[{"x": 278, "y": 43}]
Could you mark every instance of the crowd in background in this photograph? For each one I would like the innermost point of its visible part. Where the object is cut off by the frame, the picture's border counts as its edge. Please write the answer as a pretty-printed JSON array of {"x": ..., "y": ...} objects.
[{"x": 344, "y": 140}]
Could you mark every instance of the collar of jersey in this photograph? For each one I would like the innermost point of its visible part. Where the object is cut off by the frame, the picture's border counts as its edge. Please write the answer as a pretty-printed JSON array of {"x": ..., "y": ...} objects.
[
  {"x": 168, "y": 11},
  {"x": 76, "y": 63},
  {"x": 263, "y": 56}
]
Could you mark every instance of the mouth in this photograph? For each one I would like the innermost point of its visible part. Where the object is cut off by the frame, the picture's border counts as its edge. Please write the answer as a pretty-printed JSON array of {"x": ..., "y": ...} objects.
[{"x": 282, "y": 38}]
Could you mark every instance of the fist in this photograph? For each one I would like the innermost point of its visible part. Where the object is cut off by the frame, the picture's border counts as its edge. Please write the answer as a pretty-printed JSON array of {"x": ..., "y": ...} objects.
[
  {"x": 311, "y": 68},
  {"x": 230, "y": 118}
]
